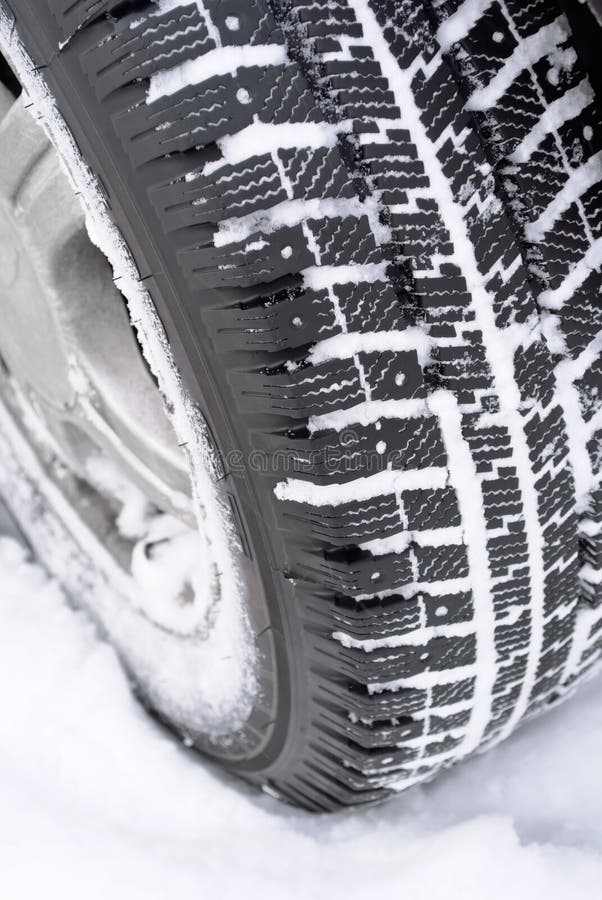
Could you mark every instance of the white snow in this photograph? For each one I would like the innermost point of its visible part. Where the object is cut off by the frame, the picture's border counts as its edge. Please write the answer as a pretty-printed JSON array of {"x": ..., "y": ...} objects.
[
  {"x": 417, "y": 638},
  {"x": 387, "y": 482},
  {"x": 580, "y": 180},
  {"x": 554, "y": 299},
  {"x": 344, "y": 346},
  {"x": 458, "y": 25},
  {"x": 170, "y": 566},
  {"x": 164, "y": 6},
  {"x": 465, "y": 480},
  {"x": 397, "y": 543},
  {"x": 318, "y": 277},
  {"x": 289, "y": 213},
  {"x": 199, "y": 679},
  {"x": 424, "y": 680},
  {"x": 260, "y": 138},
  {"x": 566, "y": 107},
  {"x": 367, "y": 413},
  {"x": 98, "y": 802},
  {"x": 530, "y": 49},
  {"x": 220, "y": 61}
]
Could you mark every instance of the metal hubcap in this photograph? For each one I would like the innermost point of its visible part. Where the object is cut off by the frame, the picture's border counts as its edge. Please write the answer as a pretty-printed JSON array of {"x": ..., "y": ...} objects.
[{"x": 66, "y": 337}]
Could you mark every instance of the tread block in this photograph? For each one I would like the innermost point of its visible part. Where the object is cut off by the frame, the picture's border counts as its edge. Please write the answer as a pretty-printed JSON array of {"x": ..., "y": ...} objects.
[
  {"x": 288, "y": 319},
  {"x": 139, "y": 46},
  {"x": 386, "y": 666},
  {"x": 225, "y": 193},
  {"x": 418, "y": 235},
  {"x": 253, "y": 186},
  {"x": 391, "y": 572},
  {"x": 219, "y": 106},
  {"x": 362, "y": 450},
  {"x": 354, "y": 523},
  {"x": 313, "y": 390},
  {"x": 346, "y": 237},
  {"x": 581, "y": 315},
  {"x": 260, "y": 259}
]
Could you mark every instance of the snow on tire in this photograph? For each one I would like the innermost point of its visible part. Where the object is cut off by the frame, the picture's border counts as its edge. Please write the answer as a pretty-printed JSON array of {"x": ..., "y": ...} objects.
[{"x": 373, "y": 229}]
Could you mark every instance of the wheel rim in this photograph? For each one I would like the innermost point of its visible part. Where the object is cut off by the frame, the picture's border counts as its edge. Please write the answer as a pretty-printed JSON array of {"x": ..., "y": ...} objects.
[
  {"x": 93, "y": 420},
  {"x": 66, "y": 337}
]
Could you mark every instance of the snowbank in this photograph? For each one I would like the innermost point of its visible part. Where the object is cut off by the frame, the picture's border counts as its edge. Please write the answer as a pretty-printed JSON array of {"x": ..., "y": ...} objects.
[{"x": 98, "y": 802}]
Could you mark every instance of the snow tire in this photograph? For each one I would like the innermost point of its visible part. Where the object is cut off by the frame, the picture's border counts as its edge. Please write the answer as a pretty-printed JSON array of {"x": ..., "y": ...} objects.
[{"x": 373, "y": 232}]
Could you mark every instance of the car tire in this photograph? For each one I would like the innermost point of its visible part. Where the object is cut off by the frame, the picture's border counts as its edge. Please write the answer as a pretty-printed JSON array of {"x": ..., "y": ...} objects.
[{"x": 372, "y": 230}]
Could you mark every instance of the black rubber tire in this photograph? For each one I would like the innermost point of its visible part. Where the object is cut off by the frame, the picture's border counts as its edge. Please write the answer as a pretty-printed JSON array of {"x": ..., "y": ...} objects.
[{"x": 434, "y": 222}]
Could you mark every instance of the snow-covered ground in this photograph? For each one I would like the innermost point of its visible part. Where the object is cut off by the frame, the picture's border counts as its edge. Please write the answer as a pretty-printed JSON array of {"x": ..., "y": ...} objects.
[{"x": 97, "y": 802}]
